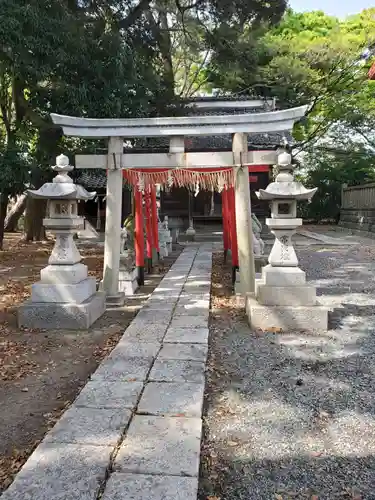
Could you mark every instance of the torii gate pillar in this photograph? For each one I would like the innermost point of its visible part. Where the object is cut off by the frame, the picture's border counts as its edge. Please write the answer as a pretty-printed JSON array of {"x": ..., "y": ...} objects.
[
  {"x": 113, "y": 223},
  {"x": 243, "y": 214}
]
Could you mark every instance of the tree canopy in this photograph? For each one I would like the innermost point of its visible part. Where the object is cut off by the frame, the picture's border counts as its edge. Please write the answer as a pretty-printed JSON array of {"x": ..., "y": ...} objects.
[{"x": 315, "y": 59}]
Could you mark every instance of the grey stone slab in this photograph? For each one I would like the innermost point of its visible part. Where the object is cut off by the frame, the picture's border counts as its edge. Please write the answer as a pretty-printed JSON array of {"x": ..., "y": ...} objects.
[
  {"x": 195, "y": 290},
  {"x": 187, "y": 335},
  {"x": 192, "y": 352},
  {"x": 159, "y": 304},
  {"x": 199, "y": 275},
  {"x": 122, "y": 486},
  {"x": 161, "y": 318},
  {"x": 154, "y": 316},
  {"x": 61, "y": 472},
  {"x": 173, "y": 276},
  {"x": 201, "y": 312},
  {"x": 95, "y": 426},
  {"x": 192, "y": 304},
  {"x": 173, "y": 282},
  {"x": 161, "y": 445},
  {"x": 122, "y": 368},
  {"x": 173, "y": 370},
  {"x": 166, "y": 288},
  {"x": 194, "y": 281},
  {"x": 109, "y": 394},
  {"x": 199, "y": 283},
  {"x": 189, "y": 297},
  {"x": 126, "y": 348},
  {"x": 189, "y": 322},
  {"x": 55, "y": 316},
  {"x": 180, "y": 400},
  {"x": 163, "y": 296},
  {"x": 145, "y": 332}
]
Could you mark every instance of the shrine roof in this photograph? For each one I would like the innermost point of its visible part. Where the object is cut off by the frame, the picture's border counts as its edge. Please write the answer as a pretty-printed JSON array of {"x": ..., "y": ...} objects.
[
  {"x": 223, "y": 109},
  {"x": 213, "y": 106}
]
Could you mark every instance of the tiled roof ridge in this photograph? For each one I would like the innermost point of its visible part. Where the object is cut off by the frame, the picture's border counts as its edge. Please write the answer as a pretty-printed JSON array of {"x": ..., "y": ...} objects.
[{"x": 223, "y": 97}]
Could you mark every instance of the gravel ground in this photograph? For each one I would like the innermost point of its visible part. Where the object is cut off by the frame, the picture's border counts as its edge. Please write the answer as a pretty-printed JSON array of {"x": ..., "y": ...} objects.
[{"x": 293, "y": 415}]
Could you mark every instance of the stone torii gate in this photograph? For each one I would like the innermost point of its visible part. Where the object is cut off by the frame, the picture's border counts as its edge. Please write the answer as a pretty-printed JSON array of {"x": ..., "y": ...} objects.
[{"x": 176, "y": 128}]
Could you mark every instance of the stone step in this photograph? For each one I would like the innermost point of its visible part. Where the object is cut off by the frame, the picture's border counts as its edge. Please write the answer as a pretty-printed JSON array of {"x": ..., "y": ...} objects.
[
  {"x": 302, "y": 318},
  {"x": 304, "y": 295}
]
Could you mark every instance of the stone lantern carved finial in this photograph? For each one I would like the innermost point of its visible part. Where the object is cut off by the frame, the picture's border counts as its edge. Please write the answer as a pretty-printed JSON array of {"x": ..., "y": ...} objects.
[{"x": 62, "y": 168}]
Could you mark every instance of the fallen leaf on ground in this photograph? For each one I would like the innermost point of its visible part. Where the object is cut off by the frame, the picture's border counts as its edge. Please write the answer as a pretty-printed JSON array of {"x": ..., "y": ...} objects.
[{"x": 232, "y": 443}]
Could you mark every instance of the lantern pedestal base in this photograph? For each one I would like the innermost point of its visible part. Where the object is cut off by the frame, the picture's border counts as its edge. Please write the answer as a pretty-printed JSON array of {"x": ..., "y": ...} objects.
[
  {"x": 63, "y": 292},
  {"x": 117, "y": 300},
  {"x": 304, "y": 318},
  {"x": 61, "y": 316},
  {"x": 260, "y": 261},
  {"x": 128, "y": 282},
  {"x": 302, "y": 295},
  {"x": 190, "y": 233},
  {"x": 283, "y": 300}
]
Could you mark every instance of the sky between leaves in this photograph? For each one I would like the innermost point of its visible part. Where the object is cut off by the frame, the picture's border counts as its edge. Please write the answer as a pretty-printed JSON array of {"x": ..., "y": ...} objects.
[{"x": 332, "y": 7}]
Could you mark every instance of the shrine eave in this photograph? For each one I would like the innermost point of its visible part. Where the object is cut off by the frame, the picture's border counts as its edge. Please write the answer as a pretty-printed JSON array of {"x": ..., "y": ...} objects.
[{"x": 273, "y": 121}]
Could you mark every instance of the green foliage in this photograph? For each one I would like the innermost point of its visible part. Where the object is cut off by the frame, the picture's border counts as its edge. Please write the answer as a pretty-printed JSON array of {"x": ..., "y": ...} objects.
[
  {"x": 312, "y": 58},
  {"x": 14, "y": 173},
  {"x": 328, "y": 171},
  {"x": 56, "y": 56},
  {"x": 305, "y": 57}
]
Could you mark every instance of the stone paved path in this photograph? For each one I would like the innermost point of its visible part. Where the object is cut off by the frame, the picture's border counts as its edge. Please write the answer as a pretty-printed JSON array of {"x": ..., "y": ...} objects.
[{"x": 134, "y": 431}]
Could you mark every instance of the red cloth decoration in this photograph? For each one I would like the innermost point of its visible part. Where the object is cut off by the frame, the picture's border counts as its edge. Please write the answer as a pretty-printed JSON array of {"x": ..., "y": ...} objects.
[
  {"x": 224, "y": 204},
  {"x": 210, "y": 178},
  {"x": 233, "y": 229},
  {"x": 154, "y": 219},
  {"x": 139, "y": 242},
  {"x": 149, "y": 232}
]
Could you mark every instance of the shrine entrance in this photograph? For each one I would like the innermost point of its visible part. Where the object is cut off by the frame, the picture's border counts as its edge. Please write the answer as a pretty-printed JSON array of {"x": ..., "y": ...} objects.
[{"x": 225, "y": 172}]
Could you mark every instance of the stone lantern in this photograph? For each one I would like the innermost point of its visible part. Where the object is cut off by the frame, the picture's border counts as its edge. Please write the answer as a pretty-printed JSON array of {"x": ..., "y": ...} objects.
[
  {"x": 65, "y": 297},
  {"x": 283, "y": 299}
]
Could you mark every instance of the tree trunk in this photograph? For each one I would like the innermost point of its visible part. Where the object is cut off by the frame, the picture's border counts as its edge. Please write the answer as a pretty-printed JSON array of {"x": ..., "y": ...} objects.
[
  {"x": 35, "y": 212},
  {"x": 3, "y": 211},
  {"x": 13, "y": 216}
]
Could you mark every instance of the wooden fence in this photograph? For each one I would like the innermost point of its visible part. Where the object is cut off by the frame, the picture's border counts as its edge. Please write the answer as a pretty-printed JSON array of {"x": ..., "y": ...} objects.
[{"x": 358, "y": 207}]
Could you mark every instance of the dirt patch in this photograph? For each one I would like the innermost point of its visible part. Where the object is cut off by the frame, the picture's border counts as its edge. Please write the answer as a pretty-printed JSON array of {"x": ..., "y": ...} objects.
[{"x": 41, "y": 372}]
